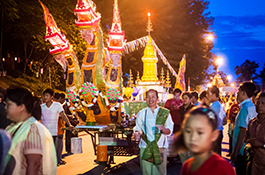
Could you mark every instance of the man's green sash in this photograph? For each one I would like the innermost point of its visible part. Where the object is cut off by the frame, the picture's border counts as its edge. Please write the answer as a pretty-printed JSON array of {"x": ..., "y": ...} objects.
[{"x": 151, "y": 152}]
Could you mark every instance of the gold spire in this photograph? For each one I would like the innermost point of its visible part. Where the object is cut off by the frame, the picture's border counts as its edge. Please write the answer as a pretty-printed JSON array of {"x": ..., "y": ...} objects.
[
  {"x": 168, "y": 83},
  {"x": 149, "y": 27},
  {"x": 149, "y": 51},
  {"x": 217, "y": 80},
  {"x": 131, "y": 79},
  {"x": 138, "y": 77},
  {"x": 162, "y": 76},
  {"x": 149, "y": 59}
]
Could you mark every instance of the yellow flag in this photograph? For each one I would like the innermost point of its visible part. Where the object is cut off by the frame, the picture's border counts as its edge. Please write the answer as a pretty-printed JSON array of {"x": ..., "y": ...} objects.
[{"x": 180, "y": 79}]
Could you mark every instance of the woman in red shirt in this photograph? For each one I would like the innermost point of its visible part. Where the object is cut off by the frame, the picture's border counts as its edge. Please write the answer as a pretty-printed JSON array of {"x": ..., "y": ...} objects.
[{"x": 198, "y": 134}]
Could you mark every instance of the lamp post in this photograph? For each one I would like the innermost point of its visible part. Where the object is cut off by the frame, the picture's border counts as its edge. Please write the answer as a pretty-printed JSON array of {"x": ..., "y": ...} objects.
[
  {"x": 217, "y": 78},
  {"x": 229, "y": 77},
  {"x": 219, "y": 61},
  {"x": 209, "y": 37}
]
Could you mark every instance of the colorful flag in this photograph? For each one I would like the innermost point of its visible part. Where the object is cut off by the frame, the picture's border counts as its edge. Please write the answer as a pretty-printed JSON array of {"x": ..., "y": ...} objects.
[
  {"x": 49, "y": 21},
  {"x": 180, "y": 78}
]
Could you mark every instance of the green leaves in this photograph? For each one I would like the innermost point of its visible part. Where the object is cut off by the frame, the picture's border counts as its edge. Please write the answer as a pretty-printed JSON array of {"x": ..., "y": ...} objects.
[
  {"x": 178, "y": 28},
  {"x": 262, "y": 74},
  {"x": 247, "y": 71}
]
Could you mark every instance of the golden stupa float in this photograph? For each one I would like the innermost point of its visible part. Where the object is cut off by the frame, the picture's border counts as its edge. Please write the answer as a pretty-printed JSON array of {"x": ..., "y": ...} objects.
[{"x": 94, "y": 89}]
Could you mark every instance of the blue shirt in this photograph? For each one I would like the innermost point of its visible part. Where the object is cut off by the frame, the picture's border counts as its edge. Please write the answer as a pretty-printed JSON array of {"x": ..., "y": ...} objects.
[
  {"x": 148, "y": 127},
  {"x": 246, "y": 113},
  {"x": 197, "y": 104},
  {"x": 219, "y": 110}
]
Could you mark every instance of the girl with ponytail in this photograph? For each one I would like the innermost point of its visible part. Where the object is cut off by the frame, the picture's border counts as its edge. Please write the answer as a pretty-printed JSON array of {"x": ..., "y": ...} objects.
[{"x": 199, "y": 132}]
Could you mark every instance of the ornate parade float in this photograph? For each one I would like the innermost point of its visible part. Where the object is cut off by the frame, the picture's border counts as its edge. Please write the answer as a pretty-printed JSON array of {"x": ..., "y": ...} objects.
[{"x": 95, "y": 88}]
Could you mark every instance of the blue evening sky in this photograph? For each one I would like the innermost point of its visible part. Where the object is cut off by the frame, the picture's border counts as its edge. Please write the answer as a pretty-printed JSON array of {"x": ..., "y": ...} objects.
[{"x": 240, "y": 29}]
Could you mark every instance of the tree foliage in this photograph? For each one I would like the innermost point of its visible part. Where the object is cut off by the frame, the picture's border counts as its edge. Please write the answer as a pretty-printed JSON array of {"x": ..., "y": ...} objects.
[
  {"x": 179, "y": 28},
  {"x": 262, "y": 74},
  {"x": 247, "y": 71},
  {"x": 28, "y": 31}
]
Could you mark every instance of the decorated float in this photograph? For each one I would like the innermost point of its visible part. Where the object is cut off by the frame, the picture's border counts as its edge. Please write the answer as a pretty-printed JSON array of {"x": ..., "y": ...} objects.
[{"x": 95, "y": 88}]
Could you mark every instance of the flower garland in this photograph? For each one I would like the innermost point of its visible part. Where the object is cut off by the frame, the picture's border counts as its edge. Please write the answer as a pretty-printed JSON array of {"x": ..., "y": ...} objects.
[
  {"x": 90, "y": 104},
  {"x": 72, "y": 97},
  {"x": 112, "y": 94},
  {"x": 88, "y": 88},
  {"x": 105, "y": 98},
  {"x": 70, "y": 107}
]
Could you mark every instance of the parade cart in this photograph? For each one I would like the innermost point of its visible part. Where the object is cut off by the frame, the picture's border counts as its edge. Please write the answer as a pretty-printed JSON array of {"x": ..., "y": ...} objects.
[{"x": 115, "y": 138}]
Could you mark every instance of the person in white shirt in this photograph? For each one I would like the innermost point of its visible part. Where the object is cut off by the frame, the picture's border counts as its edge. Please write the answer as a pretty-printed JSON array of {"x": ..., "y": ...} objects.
[
  {"x": 50, "y": 113},
  {"x": 153, "y": 124},
  {"x": 213, "y": 97}
]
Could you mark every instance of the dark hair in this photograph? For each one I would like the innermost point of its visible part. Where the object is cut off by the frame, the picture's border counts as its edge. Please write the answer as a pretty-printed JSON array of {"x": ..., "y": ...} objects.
[
  {"x": 62, "y": 95},
  {"x": 215, "y": 90},
  {"x": 49, "y": 91},
  {"x": 177, "y": 90},
  {"x": 152, "y": 90},
  {"x": 195, "y": 94},
  {"x": 21, "y": 96},
  {"x": 188, "y": 94},
  {"x": 202, "y": 95},
  {"x": 170, "y": 90},
  {"x": 56, "y": 95},
  {"x": 179, "y": 144},
  {"x": 249, "y": 88},
  {"x": 2, "y": 96}
]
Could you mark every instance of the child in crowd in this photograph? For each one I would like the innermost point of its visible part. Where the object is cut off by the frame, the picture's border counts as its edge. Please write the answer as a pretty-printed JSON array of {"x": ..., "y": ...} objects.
[
  {"x": 198, "y": 134},
  {"x": 50, "y": 115}
]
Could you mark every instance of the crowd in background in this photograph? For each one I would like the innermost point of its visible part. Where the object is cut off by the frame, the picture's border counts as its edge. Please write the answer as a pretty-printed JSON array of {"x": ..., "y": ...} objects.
[
  {"x": 197, "y": 120},
  {"x": 243, "y": 112}
]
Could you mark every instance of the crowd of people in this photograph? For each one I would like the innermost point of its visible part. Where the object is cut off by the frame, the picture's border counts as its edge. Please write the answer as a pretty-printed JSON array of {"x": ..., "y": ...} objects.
[
  {"x": 34, "y": 139},
  {"x": 197, "y": 121}
]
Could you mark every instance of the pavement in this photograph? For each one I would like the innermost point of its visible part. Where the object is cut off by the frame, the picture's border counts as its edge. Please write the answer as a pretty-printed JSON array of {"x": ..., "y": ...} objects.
[{"x": 83, "y": 164}]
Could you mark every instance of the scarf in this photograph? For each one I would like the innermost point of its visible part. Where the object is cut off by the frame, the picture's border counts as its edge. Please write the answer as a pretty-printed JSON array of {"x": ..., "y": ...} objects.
[{"x": 151, "y": 152}]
